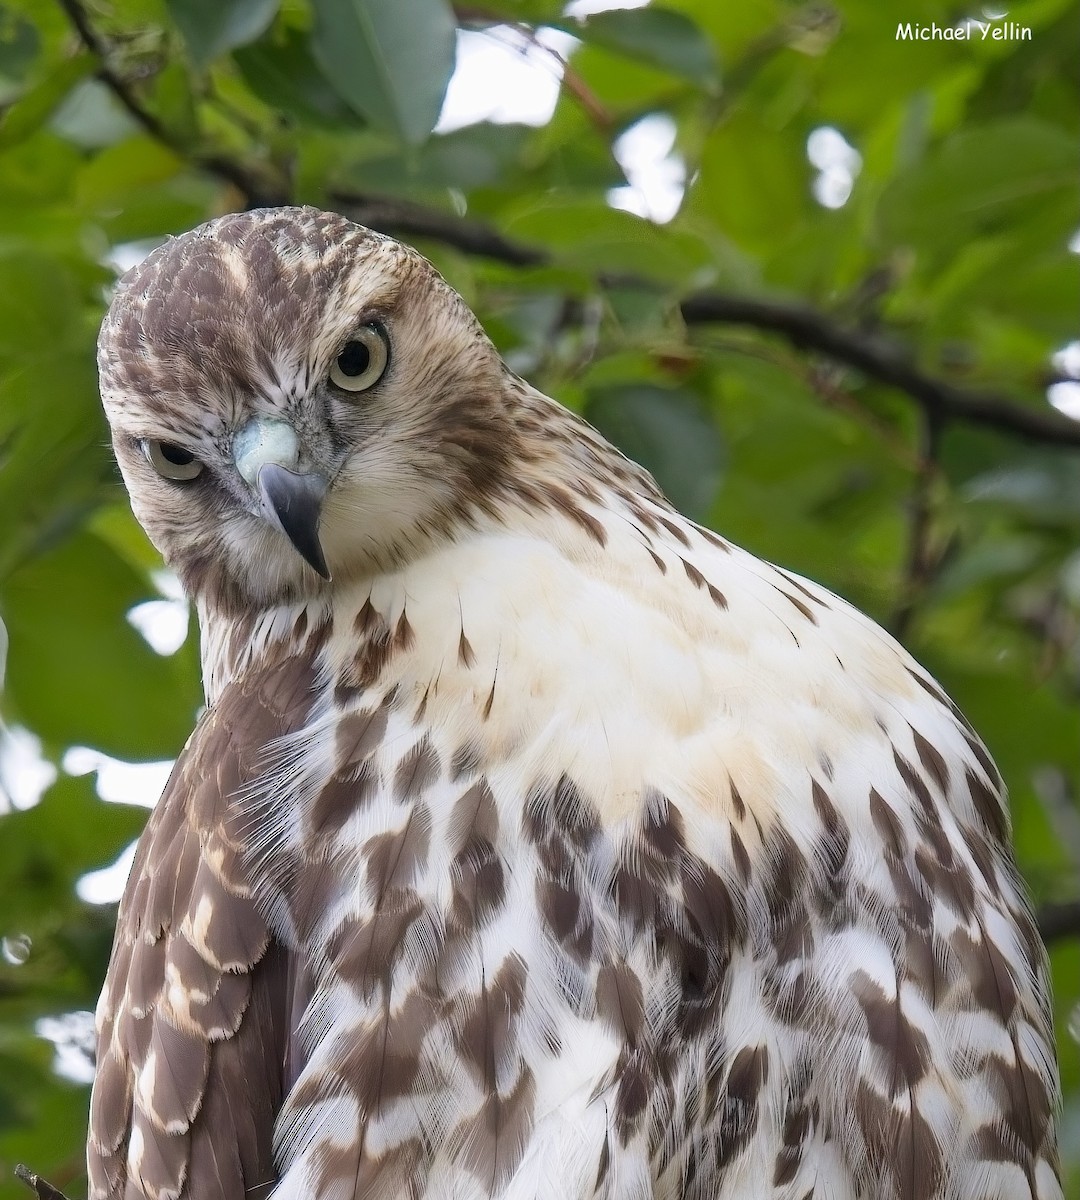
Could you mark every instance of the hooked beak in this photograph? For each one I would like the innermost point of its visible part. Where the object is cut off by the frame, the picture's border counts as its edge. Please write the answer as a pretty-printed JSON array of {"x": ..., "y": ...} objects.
[
  {"x": 267, "y": 455},
  {"x": 293, "y": 503}
]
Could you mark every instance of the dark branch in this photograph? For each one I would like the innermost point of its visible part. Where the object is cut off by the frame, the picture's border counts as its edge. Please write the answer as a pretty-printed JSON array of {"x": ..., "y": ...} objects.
[
  {"x": 923, "y": 559},
  {"x": 885, "y": 361},
  {"x": 803, "y": 327},
  {"x": 43, "y": 1190},
  {"x": 1059, "y": 920},
  {"x": 402, "y": 218},
  {"x": 257, "y": 190}
]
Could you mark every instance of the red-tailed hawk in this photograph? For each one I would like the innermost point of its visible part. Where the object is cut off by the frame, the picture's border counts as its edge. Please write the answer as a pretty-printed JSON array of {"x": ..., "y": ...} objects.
[{"x": 536, "y": 842}]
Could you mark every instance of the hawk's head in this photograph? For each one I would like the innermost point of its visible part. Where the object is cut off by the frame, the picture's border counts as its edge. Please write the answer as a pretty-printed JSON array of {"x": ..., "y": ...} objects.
[{"x": 293, "y": 397}]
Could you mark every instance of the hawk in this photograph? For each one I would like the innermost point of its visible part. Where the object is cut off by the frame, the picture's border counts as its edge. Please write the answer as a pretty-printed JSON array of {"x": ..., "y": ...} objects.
[{"x": 535, "y": 842}]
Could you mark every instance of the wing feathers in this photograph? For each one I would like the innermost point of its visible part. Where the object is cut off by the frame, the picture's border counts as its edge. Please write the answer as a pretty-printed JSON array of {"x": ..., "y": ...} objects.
[{"x": 191, "y": 1035}]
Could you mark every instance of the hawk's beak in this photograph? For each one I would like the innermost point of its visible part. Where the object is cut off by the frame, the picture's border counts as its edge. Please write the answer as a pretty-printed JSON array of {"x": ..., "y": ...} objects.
[
  {"x": 267, "y": 455},
  {"x": 293, "y": 502}
]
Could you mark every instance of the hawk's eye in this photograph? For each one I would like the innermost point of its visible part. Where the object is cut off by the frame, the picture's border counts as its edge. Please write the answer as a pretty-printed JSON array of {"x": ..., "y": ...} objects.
[
  {"x": 171, "y": 461},
  {"x": 363, "y": 360}
]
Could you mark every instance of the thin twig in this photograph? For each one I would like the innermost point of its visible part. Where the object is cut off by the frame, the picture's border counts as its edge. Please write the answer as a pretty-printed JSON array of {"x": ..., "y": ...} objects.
[
  {"x": 43, "y": 1189},
  {"x": 483, "y": 19},
  {"x": 922, "y": 560},
  {"x": 571, "y": 82},
  {"x": 825, "y": 379}
]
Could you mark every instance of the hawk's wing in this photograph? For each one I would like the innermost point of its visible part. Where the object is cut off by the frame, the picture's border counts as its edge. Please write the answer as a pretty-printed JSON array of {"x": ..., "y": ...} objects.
[{"x": 192, "y": 1021}]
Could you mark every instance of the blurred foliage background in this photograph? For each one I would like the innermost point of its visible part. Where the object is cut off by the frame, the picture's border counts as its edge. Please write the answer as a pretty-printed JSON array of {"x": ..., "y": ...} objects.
[{"x": 822, "y": 280}]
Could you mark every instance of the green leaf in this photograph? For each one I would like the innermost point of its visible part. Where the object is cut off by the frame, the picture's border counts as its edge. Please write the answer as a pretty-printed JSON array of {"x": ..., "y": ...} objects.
[
  {"x": 30, "y": 112},
  {"x": 19, "y": 43},
  {"x": 660, "y": 37},
  {"x": 390, "y": 61},
  {"x": 77, "y": 671},
  {"x": 173, "y": 99},
  {"x": 481, "y": 155},
  {"x": 666, "y": 431},
  {"x": 52, "y": 433},
  {"x": 54, "y": 464},
  {"x": 621, "y": 89},
  {"x": 592, "y": 236},
  {"x": 281, "y": 71},
  {"x": 134, "y": 164},
  {"x": 38, "y": 304},
  {"x": 91, "y": 116},
  {"x": 1043, "y": 488},
  {"x": 45, "y": 849},
  {"x": 737, "y": 28},
  {"x": 743, "y": 161},
  {"x": 1005, "y": 170},
  {"x": 213, "y": 27},
  {"x": 51, "y": 1134}
]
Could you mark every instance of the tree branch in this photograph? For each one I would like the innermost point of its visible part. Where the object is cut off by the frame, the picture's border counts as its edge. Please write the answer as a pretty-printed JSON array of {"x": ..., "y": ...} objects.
[
  {"x": 119, "y": 86},
  {"x": 801, "y": 326},
  {"x": 256, "y": 189},
  {"x": 1058, "y": 920},
  {"x": 403, "y": 218},
  {"x": 885, "y": 361}
]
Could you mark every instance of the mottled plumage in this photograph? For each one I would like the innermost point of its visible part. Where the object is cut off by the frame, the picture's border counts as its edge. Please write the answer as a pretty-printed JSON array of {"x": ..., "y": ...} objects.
[{"x": 553, "y": 847}]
